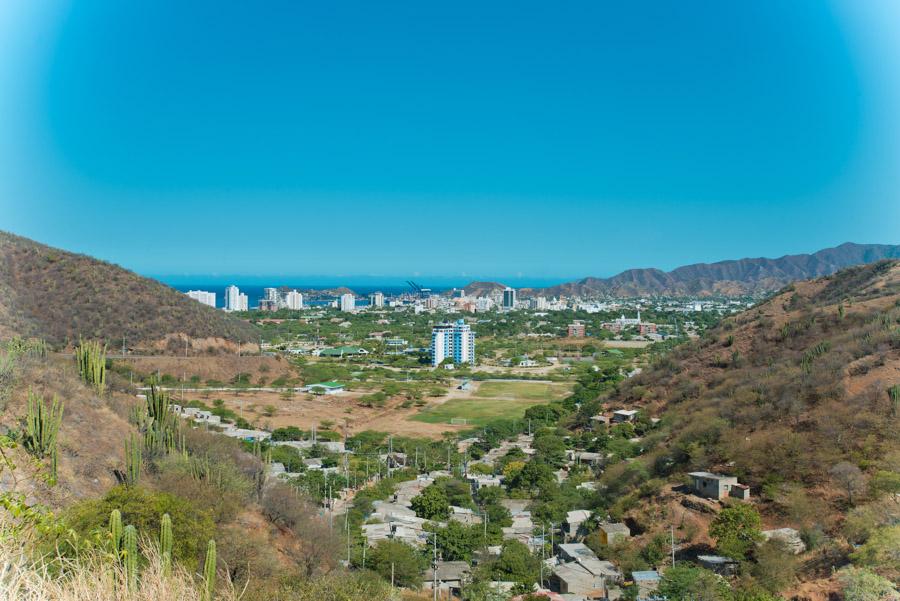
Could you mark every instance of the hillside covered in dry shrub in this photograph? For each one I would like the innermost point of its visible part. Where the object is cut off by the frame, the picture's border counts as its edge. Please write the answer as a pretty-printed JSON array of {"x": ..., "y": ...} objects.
[
  {"x": 60, "y": 296},
  {"x": 799, "y": 397}
]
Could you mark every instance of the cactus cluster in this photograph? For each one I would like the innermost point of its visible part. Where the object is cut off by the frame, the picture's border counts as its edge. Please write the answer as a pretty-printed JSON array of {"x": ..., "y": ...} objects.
[
  {"x": 42, "y": 425},
  {"x": 91, "y": 360},
  {"x": 133, "y": 460},
  {"x": 160, "y": 427}
]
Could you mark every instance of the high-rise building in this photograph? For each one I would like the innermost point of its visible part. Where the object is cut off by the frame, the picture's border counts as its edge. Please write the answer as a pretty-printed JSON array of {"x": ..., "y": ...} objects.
[
  {"x": 348, "y": 303},
  {"x": 452, "y": 340},
  {"x": 376, "y": 299},
  {"x": 509, "y": 298},
  {"x": 293, "y": 300},
  {"x": 235, "y": 300},
  {"x": 538, "y": 303},
  {"x": 207, "y": 298}
]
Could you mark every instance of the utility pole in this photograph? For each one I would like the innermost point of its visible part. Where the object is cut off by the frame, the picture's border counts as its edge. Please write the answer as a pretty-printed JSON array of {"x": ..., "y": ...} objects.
[
  {"x": 672, "y": 532},
  {"x": 347, "y": 528},
  {"x": 434, "y": 586}
]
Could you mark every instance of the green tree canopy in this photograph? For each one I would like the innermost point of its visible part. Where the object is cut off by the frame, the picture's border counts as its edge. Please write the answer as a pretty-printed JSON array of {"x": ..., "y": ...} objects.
[
  {"x": 736, "y": 530},
  {"x": 432, "y": 503},
  {"x": 407, "y": 563}
]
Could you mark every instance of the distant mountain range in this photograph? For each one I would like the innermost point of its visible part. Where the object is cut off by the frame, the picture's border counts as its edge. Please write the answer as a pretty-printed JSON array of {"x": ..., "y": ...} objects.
[{"x": 725, "y": 278}]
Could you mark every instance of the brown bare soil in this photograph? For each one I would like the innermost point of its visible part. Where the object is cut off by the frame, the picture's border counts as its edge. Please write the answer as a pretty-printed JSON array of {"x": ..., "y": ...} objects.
[{"x": 344, "y": 410}]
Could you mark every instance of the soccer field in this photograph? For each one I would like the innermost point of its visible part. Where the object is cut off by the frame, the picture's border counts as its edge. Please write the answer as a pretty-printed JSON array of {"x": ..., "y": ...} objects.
[
  {"x": 475, "y": 411},
  {"x": 529, "y": 391}
]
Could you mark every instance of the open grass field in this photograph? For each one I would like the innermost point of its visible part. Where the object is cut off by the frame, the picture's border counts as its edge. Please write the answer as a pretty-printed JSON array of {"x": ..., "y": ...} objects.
[
  {"x": 477, "y": 412},
  {"x": 493, "y": 400},
  {"x": 526, "y": 391}
]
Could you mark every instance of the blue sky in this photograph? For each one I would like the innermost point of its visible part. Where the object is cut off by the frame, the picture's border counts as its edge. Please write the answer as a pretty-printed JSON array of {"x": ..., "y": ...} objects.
[{"x": 547, "y": 140}]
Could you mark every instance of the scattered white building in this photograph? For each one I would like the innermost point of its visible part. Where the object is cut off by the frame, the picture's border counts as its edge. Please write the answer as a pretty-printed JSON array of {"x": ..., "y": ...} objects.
[
  {"x": 204, "y": 297},
  {"x": 376, "y": 299}
]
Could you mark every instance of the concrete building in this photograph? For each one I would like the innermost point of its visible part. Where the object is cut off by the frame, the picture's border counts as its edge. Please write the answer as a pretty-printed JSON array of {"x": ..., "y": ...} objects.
[
  {"x": 509, "y": 298},
  {"x": 202, "y": 296},
  {"x": 376, "y": 299},
  {"x": 347, "y": 303},
  {"x": 235, "y": 300},
  {"x": 455, "y": 341},
  {"x": 611, "y": 533},
  {"x": 647, "y": 583},
  {"x": 717, "y": 486},
  {"x": 538, "y": 303},
  {"x": 293, "y": 300},
  {"x": 575, "y": 329}
]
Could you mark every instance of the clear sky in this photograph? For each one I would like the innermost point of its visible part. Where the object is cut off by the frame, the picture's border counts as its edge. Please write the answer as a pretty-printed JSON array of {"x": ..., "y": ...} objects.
[{"x": 548, "y": 139}]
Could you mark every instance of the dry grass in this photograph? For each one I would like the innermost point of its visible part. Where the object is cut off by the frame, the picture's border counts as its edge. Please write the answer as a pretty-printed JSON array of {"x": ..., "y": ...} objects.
[{"x": 94, "y": 578}]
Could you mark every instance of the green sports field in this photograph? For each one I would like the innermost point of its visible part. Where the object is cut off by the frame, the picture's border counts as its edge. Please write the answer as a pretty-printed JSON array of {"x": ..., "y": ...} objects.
[{"x": 494, "y": 400}]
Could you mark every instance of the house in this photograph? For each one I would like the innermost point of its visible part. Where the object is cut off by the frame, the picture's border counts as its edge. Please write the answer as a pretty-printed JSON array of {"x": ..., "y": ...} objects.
[
  {"x": 718, "y": 564},
  {"x": 450, "y": 576},
  {"x": 574, "y": 520},
  {"x": 464, "y": 515},
  {"x": 343, "y": 351},
  {"x": 717, "y": 486},
  {"x": 612, "y": 533},
  {"x": 573, "y": 578},
  {"x": 599, "y": 422},
  {"x": 647, "y": 583},
  {"x": 624, "y": 415},
  {"x": 575, "y": 551},
  {"x": 325, "y": 388}
]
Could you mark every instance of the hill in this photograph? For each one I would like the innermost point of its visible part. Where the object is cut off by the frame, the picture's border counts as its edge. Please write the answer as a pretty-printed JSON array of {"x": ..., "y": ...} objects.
[
  {"x": 727, "y": 278},
  {"x": 61, "y": 296},
  {"x": 483, "y": 288},
  {"x": 799, "y": 397}
]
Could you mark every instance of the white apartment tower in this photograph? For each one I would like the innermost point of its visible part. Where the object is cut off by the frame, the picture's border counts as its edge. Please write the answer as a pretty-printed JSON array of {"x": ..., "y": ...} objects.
[
  {"x": 207, "y": 298},
  {"x": 376, "y": 299},
  {"x": 509, "y": 298},
  {"x": 348, "y": 303},
  {"x": 452, "y": 340},
  {"x": 235, "y": 300},
  {"x": 293, "y": 300}
]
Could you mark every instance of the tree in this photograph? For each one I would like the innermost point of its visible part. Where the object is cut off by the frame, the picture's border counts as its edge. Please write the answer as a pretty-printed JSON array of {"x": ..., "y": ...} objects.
[
  {"x": 881, "y": 552},
  {"x": 684, "y": 581},
  {"x": 850, "y": 478},
  {"x": 736, "y": 529},
  {"x": 432, "y": 503},
  {"x": 551, "y": 449},
  {"x": 775, "y": 566},
  {"x": 862, "y": 585},
  {"x": 407, "y": 563},
  {"x": 457, "y": 542},
  {"x": 516, "y": 563}
]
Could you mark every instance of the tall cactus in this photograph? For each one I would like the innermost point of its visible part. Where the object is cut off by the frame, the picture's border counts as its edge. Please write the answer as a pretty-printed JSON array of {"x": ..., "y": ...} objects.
[
  {"x": 42, "y": 425},
  {"x": 91, "y": 360},
  {"x": 133, "y": 460},
  {"x": 165, "y": 542},
  {"x": 209, "y": 572},
  {"x": 115, "y": 530},
  {"x": 129, "y": 544},
  {"x": 161, "y": 426}
]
